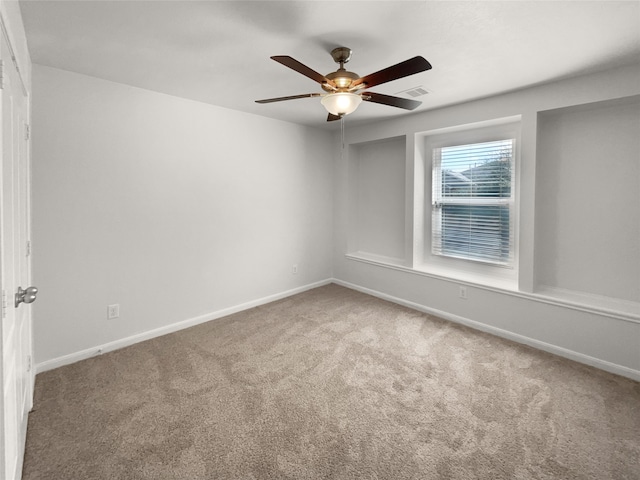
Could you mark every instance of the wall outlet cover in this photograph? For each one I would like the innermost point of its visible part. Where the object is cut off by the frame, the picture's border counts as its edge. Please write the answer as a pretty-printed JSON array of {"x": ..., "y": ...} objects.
[{"x": 113, "y": 311}]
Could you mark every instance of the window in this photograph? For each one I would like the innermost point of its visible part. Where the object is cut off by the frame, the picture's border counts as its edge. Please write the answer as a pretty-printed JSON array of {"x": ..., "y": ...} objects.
[
  {"x": 473, "y": 202},
  {"x": 446, "y": 208}
]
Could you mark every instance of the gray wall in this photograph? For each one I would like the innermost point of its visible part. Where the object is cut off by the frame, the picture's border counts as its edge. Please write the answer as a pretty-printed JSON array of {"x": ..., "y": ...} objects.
[
  {"x": 181, "y": 211},
  {"x": 171, "y": 208},
  {"x": 576, "y": 289},
  {"x": 588, "y": 174}
]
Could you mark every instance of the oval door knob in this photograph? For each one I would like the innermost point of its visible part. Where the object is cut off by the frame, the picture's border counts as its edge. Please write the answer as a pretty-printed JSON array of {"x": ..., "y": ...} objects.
[
  {"x": 30, "y": 294},
  {"x": 26, "y": 296}
]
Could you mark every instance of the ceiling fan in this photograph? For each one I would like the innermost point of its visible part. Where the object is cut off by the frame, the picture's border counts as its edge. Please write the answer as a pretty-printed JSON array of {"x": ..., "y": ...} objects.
[{"x": 344, "y": 88}]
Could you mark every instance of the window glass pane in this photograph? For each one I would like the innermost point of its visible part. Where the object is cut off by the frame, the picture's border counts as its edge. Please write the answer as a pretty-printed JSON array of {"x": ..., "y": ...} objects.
[
  {"x": 477, "y": 232},
  {"x": 472, "y": 216},
  {"x": 477, "y": 170}
]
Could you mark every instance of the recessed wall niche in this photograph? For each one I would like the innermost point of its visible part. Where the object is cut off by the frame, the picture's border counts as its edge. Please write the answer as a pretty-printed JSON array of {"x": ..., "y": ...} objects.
[
  {"x": 588, "y": 201},
  {"x": 377, "y": 199}
]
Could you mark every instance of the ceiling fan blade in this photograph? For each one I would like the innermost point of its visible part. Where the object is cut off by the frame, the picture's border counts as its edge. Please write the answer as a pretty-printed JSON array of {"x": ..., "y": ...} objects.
[
  {"x": 331, "y": 117},
  {"x": 403, "y": 69},
  {"x": 294, "y": 64},
  {"x": 405, "y": 103},
  {"x": 292, "y": 97}
]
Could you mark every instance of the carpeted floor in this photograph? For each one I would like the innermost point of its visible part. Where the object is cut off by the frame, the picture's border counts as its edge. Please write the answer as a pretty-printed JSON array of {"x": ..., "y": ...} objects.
[{"x": 332, "y": 384}]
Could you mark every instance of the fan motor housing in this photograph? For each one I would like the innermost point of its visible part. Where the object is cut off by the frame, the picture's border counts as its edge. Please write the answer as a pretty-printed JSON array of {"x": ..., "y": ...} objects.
[{"x": 342, "y": 79}]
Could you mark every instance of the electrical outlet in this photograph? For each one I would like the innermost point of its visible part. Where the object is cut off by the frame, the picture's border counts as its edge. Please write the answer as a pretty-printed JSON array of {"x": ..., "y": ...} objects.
[
  {"x": 463, "y": 292},
  {"x": 294, "y": 269},
  {"x": 113, "y": 311}
]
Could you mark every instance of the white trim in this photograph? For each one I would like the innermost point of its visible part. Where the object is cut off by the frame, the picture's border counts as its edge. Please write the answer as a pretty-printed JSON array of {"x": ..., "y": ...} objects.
[
  {"x": 494, "y": 285},
  {"x": 5, "y": 33},
  {"x": 508, "y": 128},
  {"x": 174, "y": 327},
  {"x": 547, "y": 347}
]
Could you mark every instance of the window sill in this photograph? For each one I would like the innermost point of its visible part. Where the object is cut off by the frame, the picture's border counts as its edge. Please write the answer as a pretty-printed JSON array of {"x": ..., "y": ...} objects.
[
  {"x": 469, "y": 277},
  {"x": 594, "y": 304},
  {"x": 379, "y": 260},
  {"x": 597, "y": 303},
  {"x": 472, "y": 279}
]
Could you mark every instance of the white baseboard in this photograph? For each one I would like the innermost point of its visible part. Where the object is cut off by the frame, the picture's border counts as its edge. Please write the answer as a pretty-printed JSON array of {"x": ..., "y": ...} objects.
[
  {"x": 547, "y": 347},
  {"x": 174, "y": 327}
]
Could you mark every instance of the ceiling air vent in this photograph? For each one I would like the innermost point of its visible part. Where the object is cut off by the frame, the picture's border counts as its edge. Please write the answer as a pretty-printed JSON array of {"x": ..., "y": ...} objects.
[{"x": 414, "y": 92}]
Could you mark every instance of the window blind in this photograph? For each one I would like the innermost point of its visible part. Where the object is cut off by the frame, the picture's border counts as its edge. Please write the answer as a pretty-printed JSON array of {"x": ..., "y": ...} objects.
[{"x": 473, "y": 201}]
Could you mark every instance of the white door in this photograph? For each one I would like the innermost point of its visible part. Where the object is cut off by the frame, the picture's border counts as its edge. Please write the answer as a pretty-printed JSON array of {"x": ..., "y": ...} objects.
[{"x": 16, "y": 345}]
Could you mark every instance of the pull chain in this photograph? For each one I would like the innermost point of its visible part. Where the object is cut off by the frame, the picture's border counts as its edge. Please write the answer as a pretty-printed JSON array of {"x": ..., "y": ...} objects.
[{"x": 342, "y": 134}]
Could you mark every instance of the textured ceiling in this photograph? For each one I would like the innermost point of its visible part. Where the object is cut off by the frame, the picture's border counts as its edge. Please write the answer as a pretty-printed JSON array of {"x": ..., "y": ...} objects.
[{"x": 218, "y": 52}]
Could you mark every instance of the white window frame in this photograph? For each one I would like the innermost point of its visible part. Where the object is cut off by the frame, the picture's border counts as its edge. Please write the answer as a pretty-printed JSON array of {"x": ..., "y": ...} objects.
[
  {"x": 459, "y": 268},
  {"x": 440, "y": 201}
]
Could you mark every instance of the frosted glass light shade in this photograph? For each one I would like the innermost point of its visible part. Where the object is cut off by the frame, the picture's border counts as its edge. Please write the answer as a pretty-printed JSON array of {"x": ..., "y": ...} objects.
[{"x": 342, "y": 103}]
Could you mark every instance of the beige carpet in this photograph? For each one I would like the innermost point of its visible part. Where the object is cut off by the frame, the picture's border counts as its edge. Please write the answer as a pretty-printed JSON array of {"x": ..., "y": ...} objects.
[{"x": 332, "y": 384}]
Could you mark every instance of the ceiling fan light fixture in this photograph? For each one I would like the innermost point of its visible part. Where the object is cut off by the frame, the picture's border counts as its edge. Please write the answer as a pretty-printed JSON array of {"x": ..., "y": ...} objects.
[
  {"x": 345, "y": 89},
  {"x": 341, "y": 103}
]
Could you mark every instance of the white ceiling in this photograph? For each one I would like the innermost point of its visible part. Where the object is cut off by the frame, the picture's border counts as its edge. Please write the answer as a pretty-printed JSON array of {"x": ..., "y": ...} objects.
[{"x": 218, "y": 52}]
